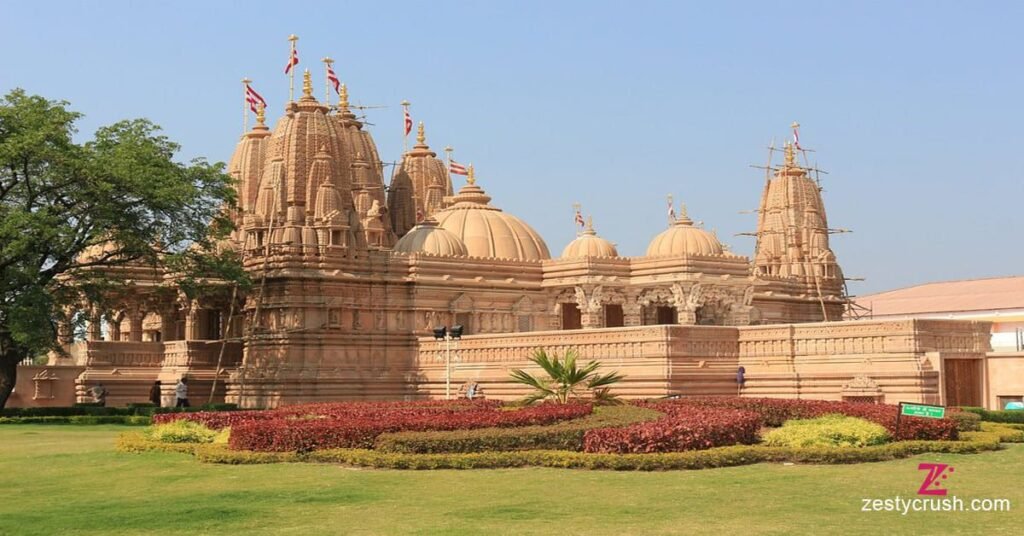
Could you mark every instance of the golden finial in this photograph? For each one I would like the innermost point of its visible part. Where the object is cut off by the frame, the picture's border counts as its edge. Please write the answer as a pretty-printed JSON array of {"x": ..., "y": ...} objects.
[
  {"x": 307, "y": 84},
  {"x": 590, "y": 223},
  {"x": 470, "y": 175},
  {"x": 421, "y": 137},
  {"x": 682, "y": 211},
  {"x": 261, "y": 114},
  {"x": 343, "y": 95},
  {"x": 790, "y": 155}
]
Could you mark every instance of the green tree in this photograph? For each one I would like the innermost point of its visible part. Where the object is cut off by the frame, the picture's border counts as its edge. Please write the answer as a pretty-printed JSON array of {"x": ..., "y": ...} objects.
[
  {"x": 121, "y": 193},
  {"x": 566, "y": 381}
]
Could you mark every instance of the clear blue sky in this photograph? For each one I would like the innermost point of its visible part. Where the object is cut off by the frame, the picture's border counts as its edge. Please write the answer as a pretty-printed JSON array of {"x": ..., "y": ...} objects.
[{"x": 914, "y": 108}]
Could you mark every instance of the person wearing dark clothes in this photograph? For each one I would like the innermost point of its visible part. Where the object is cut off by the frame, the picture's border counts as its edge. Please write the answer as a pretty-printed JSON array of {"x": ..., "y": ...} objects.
[
  {"x": 154, "y": 393},
  {"x": 181, "y": 393}
]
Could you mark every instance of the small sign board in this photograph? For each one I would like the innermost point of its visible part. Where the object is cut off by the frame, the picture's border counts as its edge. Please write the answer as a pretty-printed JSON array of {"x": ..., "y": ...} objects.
[{"x": 922, "y": 410}]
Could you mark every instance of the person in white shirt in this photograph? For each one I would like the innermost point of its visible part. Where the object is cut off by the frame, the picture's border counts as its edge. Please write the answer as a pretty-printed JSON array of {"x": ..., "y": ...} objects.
[{"x": 181, "y": 393}]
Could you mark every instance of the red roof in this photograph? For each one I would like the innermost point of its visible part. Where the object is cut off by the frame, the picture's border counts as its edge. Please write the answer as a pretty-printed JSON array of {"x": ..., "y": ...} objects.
[{"x": 994, "y": 294}]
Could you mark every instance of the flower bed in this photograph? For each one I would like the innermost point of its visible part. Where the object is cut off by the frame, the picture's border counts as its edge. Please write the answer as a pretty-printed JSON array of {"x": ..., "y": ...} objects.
[
  {"x": 776, "y": 411},
  {"x": 683, "y": 427},
  {"x": 308, "y": 427}
]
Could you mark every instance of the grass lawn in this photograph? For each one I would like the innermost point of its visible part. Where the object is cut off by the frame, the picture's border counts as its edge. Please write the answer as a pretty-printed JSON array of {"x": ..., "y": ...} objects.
[{"x": 68, "y": 480}]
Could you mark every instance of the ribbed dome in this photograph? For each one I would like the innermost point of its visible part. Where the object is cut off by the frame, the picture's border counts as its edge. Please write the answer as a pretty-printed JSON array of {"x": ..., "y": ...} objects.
[
  {"x": 246, "y": 164},
  {"x": 588, "y": 244},
  {"x": 682, "y": 238},
  {"x": 487, "y": 231},
  {"x": 428, "y": 237}
]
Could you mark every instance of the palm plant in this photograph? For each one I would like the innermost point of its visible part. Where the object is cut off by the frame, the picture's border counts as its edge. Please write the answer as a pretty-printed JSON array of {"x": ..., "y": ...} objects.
[{"x": 566, "y": 381}]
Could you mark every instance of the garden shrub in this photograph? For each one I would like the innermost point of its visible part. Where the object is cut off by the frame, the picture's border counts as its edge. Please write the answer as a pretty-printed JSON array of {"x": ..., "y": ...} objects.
[
  {"x": 131, "y": 420},
  {"x": 567, "y": 435},
  {"x": 827, "y": 431},
  {"x": 966, "y": 421},
  {"x": 1006, "y": 416},
  {"x": 182, "y": 431},
  {"x": 776, "y": 411},
  {"x": 682, "y": 428},
  {"x": 359, "y": 424}
]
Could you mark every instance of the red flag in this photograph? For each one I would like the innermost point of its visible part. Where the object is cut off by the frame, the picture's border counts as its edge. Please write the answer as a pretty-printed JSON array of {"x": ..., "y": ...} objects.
[
  {"x": 292, "y": 61},
  {"x": 408, "y": 122},
  {"x": 333, "y": 79},
  {"x": 671, "y": 211},
  {"x": 253, "y": 98},
  {"x": 796, "y": 137},
  {"x": 579, "y": 219},
  {"x": 457, "y": 168}
]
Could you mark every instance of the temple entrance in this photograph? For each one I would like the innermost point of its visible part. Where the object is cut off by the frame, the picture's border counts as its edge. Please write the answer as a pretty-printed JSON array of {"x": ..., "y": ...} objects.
[
  {"x": 613, "y": 317},
  {"x": 962, "y": 379},
  {"x": 571, "y": 317}
]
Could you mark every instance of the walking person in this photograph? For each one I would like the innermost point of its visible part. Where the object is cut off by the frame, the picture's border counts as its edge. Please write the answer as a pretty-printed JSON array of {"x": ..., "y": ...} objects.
[
  {"x": 154, "y": 393},
  {"x": 181, "y": 393}
]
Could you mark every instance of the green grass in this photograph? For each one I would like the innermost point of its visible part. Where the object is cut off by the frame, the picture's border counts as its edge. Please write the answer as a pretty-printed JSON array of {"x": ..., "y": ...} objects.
[{"x": 68, "y": 480}]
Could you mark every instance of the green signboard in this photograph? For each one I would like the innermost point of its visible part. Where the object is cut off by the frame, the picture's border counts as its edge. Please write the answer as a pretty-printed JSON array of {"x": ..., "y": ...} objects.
[{"x": 922, "y": 410}]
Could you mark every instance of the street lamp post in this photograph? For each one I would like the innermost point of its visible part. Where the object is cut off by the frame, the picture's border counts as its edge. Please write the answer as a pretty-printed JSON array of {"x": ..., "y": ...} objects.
[{"x": 446, "y": 334}]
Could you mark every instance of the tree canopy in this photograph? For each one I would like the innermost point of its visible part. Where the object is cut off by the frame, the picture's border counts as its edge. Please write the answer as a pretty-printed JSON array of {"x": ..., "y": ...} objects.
[{"x": 121, "y": 197}]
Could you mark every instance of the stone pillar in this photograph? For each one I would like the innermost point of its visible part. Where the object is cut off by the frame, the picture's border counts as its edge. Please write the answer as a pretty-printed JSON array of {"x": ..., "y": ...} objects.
[
  {"x": 94, "y": 332},
  {"x": 632, "y": 312},
  {"x": 591, "y": 319},
  {"x": 115, "y": 327},
  {"x": 685, "y": 316},
  {"x": 192, "y": 322},
  {"x": 169, "y": 324},
  {"x": 135, "y": 316}
]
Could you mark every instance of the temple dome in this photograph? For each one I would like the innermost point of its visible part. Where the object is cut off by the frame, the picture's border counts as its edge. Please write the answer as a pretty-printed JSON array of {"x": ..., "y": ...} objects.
[
  {"x": 487, "y": 231},
  {"x": 682, "y": 238},
  {"x": 588, "y": 244},
  {"x": 430, "y": 238}
]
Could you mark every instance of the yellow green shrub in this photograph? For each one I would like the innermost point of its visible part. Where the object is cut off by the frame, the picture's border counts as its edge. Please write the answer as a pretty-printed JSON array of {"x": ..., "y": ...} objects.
[{"x": 828, "y": 431}]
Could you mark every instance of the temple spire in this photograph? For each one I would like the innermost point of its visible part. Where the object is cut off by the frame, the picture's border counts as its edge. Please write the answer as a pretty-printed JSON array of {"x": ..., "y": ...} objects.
[
  {"x": 343, "y": 96},
  {"x": 470, "y": 175},
  {"x": 790, "y": 155},
  {"x": 421, "y": 137},
  {"x": 307, "y": 85},
  {"x": 261, "y": 115}
]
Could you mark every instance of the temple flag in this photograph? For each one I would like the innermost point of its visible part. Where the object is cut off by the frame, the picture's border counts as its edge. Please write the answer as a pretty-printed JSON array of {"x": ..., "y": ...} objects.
[
  {"x": 333, "y": 79},
  {"x": 292, "y": 61},
  {"x": 408, "y": 122},
  {"x": 457, "y": 168}
]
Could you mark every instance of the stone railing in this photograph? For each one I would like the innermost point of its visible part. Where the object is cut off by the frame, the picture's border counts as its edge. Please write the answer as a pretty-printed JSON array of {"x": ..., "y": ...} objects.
[
  {"x": 201, "y": 354},
  {"x": 122, "y": 354}
]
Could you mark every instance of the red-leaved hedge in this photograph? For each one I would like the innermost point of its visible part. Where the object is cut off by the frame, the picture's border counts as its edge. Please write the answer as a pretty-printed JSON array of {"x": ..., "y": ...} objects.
[
  {"x": 775, "y": 411},
  {"x": 682, "y": 428},
  {"x": 357, "y": 425}
]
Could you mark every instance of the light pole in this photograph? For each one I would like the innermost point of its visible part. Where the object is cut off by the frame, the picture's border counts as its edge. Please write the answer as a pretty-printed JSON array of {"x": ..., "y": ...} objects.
[{"x": 442, "y": 333}]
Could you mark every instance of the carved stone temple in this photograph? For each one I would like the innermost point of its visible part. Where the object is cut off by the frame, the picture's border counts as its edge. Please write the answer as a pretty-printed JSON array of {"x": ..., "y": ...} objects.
[{"x": 351, "y": 273}]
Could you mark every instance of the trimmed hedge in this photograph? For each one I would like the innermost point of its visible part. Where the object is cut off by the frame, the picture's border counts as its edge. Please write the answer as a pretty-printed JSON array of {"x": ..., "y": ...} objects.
[
  {"x": 355, "y": 430},
  {"x": 776, "y": 411},
  {"x": 566, "y": 435},
  {"x": 683, "y": 427},
  {"x": 972, "y": 442},
  {"x": 131, "y": 420},
  {"x": 966, "y": 421},
  {"x": 1007, "y": 416},
  {"x": 827, "y": 431},
  {"x": 92, "y": 409}
]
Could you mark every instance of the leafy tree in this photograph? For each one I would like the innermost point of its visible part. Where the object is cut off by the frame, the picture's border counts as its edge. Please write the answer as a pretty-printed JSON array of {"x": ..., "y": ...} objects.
[
  {"x": 119, "y": 198},
  {"x": 566, "y": 382}
]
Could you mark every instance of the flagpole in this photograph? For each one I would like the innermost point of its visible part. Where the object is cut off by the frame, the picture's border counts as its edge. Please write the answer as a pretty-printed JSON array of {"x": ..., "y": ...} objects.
[
  {"x": 327, "y": 83},
  {"x": 448, "y": 161},
  {"x": 575, "y": 221},
  {"x": 670, "y": 207},
  {"x": 405, "y": 133},
  {"x": 291, "y": 70},
  {"x": 245, "y": 104}
]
